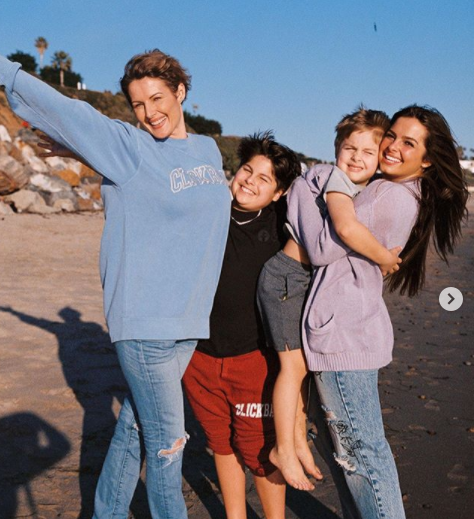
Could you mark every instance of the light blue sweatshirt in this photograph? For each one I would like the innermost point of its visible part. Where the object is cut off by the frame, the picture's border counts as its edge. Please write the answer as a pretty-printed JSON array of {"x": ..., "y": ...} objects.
[{"x": 167, "y": 210}]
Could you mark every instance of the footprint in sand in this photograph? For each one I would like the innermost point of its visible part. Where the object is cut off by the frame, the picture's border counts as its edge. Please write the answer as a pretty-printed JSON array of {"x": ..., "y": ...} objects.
[
  {"x": 432, "y": 405},
  {"x": 458, "y": 473}
]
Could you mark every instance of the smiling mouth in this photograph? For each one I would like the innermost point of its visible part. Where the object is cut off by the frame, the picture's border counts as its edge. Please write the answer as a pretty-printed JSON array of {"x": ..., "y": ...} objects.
[
  {"x": 247, "y": 190},
  {"x": 159, "y": 123},
  {"x": 391, "y": 160}
]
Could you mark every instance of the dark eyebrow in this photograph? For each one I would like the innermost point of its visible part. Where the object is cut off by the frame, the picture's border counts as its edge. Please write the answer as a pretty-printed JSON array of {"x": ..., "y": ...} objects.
[
  {"x": 391, "y": 132},
  {"x": 151, "y": 97}
]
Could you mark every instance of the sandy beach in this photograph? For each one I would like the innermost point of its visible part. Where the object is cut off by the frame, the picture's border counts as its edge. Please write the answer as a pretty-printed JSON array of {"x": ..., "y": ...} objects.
[{"x": 61, "y": 387}]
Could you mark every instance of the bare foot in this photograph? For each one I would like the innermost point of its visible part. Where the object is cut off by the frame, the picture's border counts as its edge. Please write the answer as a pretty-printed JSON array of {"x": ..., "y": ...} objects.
[
  {"x": 291, "y": 469},
  {"x": 306, "y": 459}
]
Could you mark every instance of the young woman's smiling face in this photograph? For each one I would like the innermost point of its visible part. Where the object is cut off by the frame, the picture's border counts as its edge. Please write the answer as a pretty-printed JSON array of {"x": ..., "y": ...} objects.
[
  {"x": 158, "y": 108},
  {"x": 403, "y": 151},
  {"x": 254, "y": 185}
]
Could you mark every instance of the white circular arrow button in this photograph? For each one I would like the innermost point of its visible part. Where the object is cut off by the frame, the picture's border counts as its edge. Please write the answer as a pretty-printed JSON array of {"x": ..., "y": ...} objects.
[{"x": 450, "y": 299}]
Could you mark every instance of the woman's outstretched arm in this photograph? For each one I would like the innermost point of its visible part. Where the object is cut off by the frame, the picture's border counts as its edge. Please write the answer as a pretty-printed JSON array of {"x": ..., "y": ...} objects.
[{"x": 110, "y": 147}]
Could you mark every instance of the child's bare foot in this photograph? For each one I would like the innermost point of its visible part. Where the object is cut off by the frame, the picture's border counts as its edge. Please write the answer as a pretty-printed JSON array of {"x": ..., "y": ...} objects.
[
  {"x": 306, "y": 459},
  {"x": 291, "y": 469}
]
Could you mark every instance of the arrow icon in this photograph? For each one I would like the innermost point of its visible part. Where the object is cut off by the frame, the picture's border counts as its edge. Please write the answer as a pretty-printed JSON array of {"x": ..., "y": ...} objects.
[{"x": 450, "y": 299}]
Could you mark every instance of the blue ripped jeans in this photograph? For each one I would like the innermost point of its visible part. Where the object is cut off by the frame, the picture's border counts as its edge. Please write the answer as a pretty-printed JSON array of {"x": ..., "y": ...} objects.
[
  {"x": 154, "y": 411},
  {"x": 356, "y": 441}
]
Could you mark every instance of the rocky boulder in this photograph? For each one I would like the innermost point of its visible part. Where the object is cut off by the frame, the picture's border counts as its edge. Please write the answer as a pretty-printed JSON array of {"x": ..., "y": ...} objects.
[
  {"x": 49, "y": 183},
  {"x": 69, "y": 176},
  {"x": 29, "y": 201},
  {"x": 13, "y": 176},
  {"x": 64, "y": 200},
  {"x": 4, "y": 135},
  {"x": 29, "y": 183},
  {"x": 5, "y": 209}
]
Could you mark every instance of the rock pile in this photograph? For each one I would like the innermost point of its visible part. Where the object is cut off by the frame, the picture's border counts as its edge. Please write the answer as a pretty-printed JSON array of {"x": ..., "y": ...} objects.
[{"x": 31, "y": 184}]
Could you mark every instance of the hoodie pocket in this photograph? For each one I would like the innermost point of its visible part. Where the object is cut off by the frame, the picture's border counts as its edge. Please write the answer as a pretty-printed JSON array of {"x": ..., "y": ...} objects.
[{"x": 320, "y": 339}]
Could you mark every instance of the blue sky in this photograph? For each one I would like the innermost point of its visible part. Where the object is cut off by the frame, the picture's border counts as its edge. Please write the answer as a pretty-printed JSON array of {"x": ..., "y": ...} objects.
[{"x": 293, "y": 66}]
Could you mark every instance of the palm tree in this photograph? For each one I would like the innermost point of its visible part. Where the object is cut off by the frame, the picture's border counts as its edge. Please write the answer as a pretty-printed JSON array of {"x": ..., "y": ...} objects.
[
  {"x": 41, "y": 44},
  {"x": 62, "y": 61}
]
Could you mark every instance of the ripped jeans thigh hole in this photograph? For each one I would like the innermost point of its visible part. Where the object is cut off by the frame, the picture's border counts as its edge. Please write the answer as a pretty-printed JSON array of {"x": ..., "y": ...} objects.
[{"x": 346, "y": 444}]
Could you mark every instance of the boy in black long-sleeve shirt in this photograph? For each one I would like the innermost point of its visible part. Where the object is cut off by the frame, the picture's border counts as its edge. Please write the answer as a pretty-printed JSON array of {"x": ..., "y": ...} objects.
[{"x": 229, "y": 381}]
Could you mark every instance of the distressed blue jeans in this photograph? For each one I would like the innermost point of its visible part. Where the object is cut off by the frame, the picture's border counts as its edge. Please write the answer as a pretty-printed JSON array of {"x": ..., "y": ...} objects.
[
  {"x": 154, "y": 412},
  {"x": 356, "y": 441}
]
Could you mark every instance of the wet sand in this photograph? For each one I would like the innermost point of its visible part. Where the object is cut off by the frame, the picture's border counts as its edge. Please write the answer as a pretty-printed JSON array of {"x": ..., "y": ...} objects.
[{"x": 61, "y": 387}]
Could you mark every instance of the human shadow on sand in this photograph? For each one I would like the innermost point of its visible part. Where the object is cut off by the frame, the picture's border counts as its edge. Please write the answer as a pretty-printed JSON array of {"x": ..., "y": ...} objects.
[
  {"x": 92, "y": 371},
  {"x": 29, "y": 446}
]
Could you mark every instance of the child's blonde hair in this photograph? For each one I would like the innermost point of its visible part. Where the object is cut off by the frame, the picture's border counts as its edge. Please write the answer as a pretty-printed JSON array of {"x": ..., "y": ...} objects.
[{"x": 360, "y": 120}]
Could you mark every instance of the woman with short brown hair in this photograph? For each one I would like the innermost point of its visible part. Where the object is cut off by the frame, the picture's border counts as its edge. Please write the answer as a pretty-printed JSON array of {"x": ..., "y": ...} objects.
[{"x": 167, "y": 214}]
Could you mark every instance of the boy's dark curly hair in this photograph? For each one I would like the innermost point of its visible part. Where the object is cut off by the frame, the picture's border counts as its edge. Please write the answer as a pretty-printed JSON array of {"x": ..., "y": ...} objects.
[{"x": 286, "y": 165}]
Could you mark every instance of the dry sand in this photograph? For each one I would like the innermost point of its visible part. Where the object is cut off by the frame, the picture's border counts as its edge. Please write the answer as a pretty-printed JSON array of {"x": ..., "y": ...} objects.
[{"x": 60, "y": 386}]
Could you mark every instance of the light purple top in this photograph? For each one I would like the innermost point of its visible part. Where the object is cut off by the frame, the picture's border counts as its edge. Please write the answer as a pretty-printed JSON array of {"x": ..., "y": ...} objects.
[{"x": 346, "y": 325}]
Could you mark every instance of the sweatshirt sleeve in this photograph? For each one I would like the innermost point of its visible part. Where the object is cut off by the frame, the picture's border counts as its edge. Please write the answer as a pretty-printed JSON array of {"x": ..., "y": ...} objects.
[
  {"x": 394, "y": 213},
  {"x": 328, "y": 247},
  {"x": 110, "y": 147},
  {"x": 339, "y": 182},
  {"x": 314, "y": 232}
]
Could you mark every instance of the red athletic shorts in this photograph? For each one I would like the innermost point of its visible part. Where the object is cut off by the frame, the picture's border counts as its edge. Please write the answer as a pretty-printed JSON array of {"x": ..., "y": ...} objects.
[{"x": 232, "y": 399}]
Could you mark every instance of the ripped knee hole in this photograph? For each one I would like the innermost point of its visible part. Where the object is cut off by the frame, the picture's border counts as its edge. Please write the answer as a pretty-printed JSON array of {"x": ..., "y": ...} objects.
[{"x": 176, "y": 448}]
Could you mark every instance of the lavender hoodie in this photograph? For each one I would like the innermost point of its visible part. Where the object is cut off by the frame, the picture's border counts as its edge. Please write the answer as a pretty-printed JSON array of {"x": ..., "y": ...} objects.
[{"x": 346, "y": 325}]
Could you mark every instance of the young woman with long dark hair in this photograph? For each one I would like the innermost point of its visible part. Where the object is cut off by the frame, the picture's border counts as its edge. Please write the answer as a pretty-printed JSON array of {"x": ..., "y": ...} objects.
[{"x": 347, "y": 333}]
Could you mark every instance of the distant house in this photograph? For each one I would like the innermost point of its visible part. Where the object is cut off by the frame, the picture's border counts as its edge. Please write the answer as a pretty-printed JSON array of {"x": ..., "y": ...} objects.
[{"x": 467, "y": 164}]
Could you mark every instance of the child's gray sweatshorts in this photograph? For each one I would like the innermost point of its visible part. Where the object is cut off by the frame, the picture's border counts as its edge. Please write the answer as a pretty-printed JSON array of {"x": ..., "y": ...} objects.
[{"x": 281, "y": 294}]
